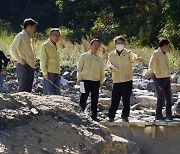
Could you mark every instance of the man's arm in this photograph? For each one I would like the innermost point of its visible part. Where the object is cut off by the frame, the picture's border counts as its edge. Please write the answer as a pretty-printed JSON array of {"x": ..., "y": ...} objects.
[
  {"x": 79, "y": 69},
  {"x": 43, "y": 62},
  {"x": 134, "y": 57},
  {"x": 152, "y": 65},
  {"x": 110, "y": 65},
  {"x": 102, "y": 73},
  {"x": 14, "y": 47}
]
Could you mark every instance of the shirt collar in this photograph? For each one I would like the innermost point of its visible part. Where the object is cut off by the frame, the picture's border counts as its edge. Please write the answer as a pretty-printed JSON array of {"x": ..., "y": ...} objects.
[
  {"x": 26, "y": 34},
  {"x": 50, "y": 43},
  {"x": 161, "y": 51},
  {"x": 93, "y": 54},
  {"x": 116, "y": 52}
]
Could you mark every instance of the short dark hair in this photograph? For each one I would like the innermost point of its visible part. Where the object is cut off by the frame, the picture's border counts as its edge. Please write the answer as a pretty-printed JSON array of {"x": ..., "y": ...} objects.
[
  {"x": 29, "y": 21},
  {"x": 163, "y": 42},
  {"x": 119, "y": 38},
  {"x": 94, "y": 40}
]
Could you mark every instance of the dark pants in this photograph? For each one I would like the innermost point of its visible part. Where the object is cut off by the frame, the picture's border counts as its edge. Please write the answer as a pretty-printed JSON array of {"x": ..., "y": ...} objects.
[
  {"x": 163, "y": 90},
  {"x": 1, "y": 83},
  {"x": 93, "y": 87},
  {"x": 123, "y": 89},
  {"x": 49, "y": 88},
  {"x": 25, "y": 75}
]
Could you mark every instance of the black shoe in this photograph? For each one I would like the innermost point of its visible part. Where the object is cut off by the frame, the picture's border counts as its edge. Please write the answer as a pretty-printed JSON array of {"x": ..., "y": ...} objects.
[
  {"x": 169, "y": 117},
  {"x": 125, "y": 119},
  {"x": 95, "y": 119},
  {"x": 159, "y": 117},
  {"x": 111, "y": 120}
]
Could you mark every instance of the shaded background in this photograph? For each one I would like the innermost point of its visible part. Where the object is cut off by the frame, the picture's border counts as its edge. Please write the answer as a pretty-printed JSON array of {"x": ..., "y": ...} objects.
[{"x": 140, "y": 21}]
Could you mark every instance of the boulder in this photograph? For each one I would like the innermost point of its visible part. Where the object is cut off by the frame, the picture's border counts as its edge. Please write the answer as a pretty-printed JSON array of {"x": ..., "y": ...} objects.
[
  {"x": 104, "y": 101},
  {"x": 136, "y": 83},
  {"x": 66, "y": 75},
  {"x": 151, "y": 86},
  {"x": 178, "y": 79},
  {"x": 53, "y": 124},
  {"x": 174, "y": 77},
  {"x": 177, "y": 108},
  {"x": 105, "y": 93},
  {"x": 102, "y": 107},
  {"x": 147, "y": 101},
  {"x": 74, "y": 74},
  {"x": 175, "y": 87},
  {"x": 39, "y": 89},
  {"x": 123, "y": 148}
]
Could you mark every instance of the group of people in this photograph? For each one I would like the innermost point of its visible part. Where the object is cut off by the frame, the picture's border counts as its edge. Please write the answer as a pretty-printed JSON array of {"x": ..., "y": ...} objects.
[
  {"x": 22, "y": 51},
  {"x": 90, "y": 71}
]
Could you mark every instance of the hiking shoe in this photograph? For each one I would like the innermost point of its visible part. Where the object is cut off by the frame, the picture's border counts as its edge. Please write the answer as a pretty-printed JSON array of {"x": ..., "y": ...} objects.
[
  {"x": 159, "y": 117},
  {"x": 125, "y": 119},
  {"x": 169, "y": 117},
  {"x": 95, "y": 119},
  {"x": 111, "y": 120}
]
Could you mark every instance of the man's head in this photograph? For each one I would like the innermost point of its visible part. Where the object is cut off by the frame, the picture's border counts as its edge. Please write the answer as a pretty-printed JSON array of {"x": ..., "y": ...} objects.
[
  {"x": 164, "y": 44},
  {"x": 54, "y": 35},
  {"x": 30, "y": 26},
  {"x": 119, "y": 42},
  {"x": 95, "y": 45}
]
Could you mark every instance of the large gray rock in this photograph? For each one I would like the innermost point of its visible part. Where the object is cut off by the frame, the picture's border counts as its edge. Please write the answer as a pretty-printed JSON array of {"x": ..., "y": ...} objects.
[
  {"x": 104, "y": 101},
  {"x": 147, "y": 101},
  {"x": 105, "y": 93},
  {"x": 53, "y": 124},
  {"x": 73, "y": 74},
  {"x": 178, "y": 79},
  {"x": 175, "y": 87},
  {"x": 66, "y": 75},
  {"x": 151, "y": 86},
  {"x": 174, "y": 77},
  {"x": 177, "y": 108}
]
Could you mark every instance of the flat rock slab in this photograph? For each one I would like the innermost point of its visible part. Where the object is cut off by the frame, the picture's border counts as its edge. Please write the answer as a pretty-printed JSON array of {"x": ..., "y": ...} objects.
[{"x": 175, "y": 122}]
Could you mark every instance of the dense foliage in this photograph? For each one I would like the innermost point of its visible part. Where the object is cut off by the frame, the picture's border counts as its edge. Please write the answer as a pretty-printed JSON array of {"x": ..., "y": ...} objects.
[{"x": 140, "y": 21}]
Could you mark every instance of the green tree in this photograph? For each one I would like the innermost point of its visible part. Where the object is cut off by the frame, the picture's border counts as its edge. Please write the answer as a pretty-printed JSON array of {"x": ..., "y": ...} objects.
[
  {"x": 44, "y": 11},
  {"x": 171, "y": 29}
]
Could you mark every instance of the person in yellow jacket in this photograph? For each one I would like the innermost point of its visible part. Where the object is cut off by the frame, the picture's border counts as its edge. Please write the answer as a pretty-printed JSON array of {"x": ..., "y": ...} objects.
[
  {"x": 50, "y": 63},
  {"x": 90, "y": 76},
  {"x": 120, "y": 64},
  {"x": 21, "y": 50},
  {"x": 159, "y": 71}
]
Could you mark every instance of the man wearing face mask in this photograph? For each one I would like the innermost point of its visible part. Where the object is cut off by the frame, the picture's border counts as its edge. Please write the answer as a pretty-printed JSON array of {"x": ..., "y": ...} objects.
[
  {"x": 159, "y": 71},
  {"x": 120, "y": 64}
]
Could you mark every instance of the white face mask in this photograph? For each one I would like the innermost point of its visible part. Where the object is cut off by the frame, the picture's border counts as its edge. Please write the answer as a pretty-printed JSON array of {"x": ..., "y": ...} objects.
[{"x": 119, "y": 47}]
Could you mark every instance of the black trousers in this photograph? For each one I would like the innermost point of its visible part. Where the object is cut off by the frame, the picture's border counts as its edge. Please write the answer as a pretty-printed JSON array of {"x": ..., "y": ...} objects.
[
  {"x": 93, "y": 88},
  {"x": 123, "y": 90},
  {"x": 25, "y": 75},
  {"x": 163, "y": 90}
]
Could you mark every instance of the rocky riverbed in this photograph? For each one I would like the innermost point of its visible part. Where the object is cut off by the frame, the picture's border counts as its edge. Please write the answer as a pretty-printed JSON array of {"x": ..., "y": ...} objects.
[
  {"x": 36, "y": 124},
  {"x": 143, "y": 100}
]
